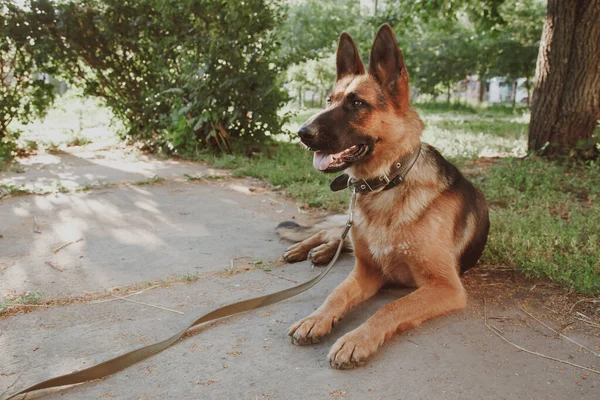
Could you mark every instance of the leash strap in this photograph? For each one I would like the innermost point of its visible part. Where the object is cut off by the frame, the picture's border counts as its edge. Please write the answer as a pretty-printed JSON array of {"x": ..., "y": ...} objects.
[{"x": 121, "y": 362}]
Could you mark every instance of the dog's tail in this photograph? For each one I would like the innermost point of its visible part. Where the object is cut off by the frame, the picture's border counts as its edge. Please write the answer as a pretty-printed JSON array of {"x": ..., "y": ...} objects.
[{"x": 296, "y": 233}]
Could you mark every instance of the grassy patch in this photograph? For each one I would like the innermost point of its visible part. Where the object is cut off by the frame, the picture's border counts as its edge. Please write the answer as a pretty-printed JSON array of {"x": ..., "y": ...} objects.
[
  {"x": 460, "y": 130},
  {"x": 149, "y": 181},
  {"x": 12, "y": 190},
  {"x": 26, "y": 299},
  {"x": 494, "y": 110},
  {"x": 497, "y": 127},
  {"x": 546, "y": 220},
  {"x": 216, "y": 177}
]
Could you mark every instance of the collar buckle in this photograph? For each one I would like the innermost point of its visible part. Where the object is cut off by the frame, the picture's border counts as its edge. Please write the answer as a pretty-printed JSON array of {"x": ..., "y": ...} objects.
[{"x": 385, "y": 178}]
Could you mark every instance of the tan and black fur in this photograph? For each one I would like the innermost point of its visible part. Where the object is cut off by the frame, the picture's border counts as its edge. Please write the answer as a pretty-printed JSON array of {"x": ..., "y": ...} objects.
[{"x": 422, "y": 233}]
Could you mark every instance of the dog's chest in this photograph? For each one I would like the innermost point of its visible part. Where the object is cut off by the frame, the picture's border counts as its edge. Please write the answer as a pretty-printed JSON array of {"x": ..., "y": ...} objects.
[{"x": 380, "y": 237}]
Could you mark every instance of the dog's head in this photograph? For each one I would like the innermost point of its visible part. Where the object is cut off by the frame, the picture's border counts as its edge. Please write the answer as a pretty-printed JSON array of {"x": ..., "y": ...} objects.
[{"x": 364, "y": 125}]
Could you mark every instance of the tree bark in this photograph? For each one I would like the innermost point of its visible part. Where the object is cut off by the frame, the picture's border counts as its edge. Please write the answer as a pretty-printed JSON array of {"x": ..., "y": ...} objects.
[
  {"x": 481, "y": 88},
  {"x": 566, "y": 95},
  {"x": 514, "y": 95}
]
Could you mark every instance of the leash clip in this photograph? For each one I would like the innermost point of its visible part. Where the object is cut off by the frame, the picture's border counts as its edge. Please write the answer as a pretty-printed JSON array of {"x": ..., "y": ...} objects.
[
  {"x": 351, "y": 215},
  {"x": 346, "y": 230}
]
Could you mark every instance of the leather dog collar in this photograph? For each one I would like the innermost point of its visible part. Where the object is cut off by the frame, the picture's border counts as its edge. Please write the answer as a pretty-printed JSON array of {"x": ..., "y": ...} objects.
[{"x": 394, "y": 177}]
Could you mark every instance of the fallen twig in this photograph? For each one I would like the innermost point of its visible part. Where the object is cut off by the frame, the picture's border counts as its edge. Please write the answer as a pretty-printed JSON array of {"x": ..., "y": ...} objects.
[
  {"x": 129, "y": 295},
  {"x": 36, "y": 226},
  {"x": 54, "y": 266},
  {"x": 62, "y": 246},
  {"x": 535, "y": 353},
  {"x": 584, "y": 318},
  {"x": 588, "y": 322},
  {"x": 146, "y": 304},
  {"x": 560, "y": 334},
  {"x": 584, "y": 301}
]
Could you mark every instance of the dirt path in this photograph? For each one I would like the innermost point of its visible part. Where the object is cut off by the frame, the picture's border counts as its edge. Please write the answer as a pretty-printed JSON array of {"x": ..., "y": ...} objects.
[{"x": 197, "y": 244}]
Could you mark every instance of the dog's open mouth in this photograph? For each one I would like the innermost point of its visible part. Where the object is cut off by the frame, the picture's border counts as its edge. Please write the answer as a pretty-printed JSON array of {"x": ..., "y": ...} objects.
[{"x": 326, "y": 162}]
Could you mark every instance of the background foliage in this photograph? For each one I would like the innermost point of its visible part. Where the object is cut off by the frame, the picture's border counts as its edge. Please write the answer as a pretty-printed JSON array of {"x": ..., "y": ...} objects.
[
  {"x": 24, "y": 93},
  {"x": 182, "y": 75}
]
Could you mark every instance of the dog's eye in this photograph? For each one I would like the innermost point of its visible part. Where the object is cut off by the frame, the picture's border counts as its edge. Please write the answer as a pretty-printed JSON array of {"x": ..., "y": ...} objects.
[
  {"x": 328, "y": 100},
  {"x": 358, "y": 103}
]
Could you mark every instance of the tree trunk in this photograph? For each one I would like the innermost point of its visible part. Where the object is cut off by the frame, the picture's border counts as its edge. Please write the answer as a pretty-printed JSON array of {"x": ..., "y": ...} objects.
[
  {"x": 448, "y": 95},
  {"x": 528, "y": 87},
  {"x": 566, "y": 94},
  {"x": 481, "y": 89},
  {"x": 514, "y": 95}
]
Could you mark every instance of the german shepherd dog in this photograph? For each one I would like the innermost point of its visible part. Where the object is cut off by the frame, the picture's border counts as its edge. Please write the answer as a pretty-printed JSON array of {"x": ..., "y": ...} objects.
[{"x": 423, "y": 231}]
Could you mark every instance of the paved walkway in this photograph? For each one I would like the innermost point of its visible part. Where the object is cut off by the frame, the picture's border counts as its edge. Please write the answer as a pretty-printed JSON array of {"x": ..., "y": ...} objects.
[{"x": 211, "y": 242}]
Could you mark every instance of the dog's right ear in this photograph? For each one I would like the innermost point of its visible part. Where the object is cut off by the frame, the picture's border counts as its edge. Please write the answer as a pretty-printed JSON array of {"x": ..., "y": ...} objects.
[{"x": 348, "y": 60}]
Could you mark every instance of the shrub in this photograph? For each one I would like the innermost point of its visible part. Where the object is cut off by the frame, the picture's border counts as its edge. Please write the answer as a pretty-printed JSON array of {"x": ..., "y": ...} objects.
[
  {"x": 182, "y": 75},
  {"x": 24, "y": 92}
]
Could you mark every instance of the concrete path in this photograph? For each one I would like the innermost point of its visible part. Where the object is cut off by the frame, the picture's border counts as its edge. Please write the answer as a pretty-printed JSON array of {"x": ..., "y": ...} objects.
[
  {"x": 83, "y": 168},
  {"x": 194, "y": 245}
]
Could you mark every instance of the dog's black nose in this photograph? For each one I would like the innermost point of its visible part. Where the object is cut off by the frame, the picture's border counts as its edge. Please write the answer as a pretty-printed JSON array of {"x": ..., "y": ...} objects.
[{"x": 305, "y": 133}]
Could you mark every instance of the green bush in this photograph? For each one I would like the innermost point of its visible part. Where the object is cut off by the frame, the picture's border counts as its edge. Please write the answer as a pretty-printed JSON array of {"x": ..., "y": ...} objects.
[
  {"x": 182, "y": 75},
  {"x": 24, "y": 93}
]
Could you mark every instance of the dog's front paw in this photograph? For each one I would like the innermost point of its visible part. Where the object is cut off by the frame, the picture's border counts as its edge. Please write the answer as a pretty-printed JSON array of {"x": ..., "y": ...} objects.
[
  {"x": 352, "y": 349},
  {"x": 311, "y": 329},
  {"x": 295, "y": 253},
  {"x": 324, "y": 253}
]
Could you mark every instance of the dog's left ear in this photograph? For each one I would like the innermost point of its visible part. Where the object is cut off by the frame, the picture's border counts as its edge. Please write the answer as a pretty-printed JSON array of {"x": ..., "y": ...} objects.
[{"x": 386, "y": 65}]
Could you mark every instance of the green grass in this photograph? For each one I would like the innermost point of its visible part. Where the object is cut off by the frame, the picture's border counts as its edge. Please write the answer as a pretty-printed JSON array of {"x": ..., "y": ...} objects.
[
  {"x": 498, "y": 127},
  {"x": 12, "y": 190},
  {"x": 546, "y": 220},
  {"x": 28, "y": 298},
  {"x": 497, "y": 110},
  {"x": 461, "y": 130},
  {"x": 290, "y": 168},
  {"x": 545, "y": 216},
  {"x": 149, "y": 181}
]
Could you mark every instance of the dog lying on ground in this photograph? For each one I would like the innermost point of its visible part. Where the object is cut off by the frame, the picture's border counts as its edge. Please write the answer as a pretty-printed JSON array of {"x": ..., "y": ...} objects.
[{"x": 418, "y": 222}]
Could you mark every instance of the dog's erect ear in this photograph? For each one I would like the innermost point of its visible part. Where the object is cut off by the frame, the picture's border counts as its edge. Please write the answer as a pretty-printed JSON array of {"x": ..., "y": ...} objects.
[
  {"x": 347, "y": 59},
  {"x": 387, "y": 65}
]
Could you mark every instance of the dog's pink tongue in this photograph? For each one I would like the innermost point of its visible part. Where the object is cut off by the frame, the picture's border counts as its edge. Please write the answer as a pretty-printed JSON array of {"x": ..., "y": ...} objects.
[{"x": 322, "y": 160}]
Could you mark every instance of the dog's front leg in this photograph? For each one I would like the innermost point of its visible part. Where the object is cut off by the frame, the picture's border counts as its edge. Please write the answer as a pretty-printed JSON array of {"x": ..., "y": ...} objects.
[
  {"x": 362, "y": 283},
  {"x": 432, "y": 300}
]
